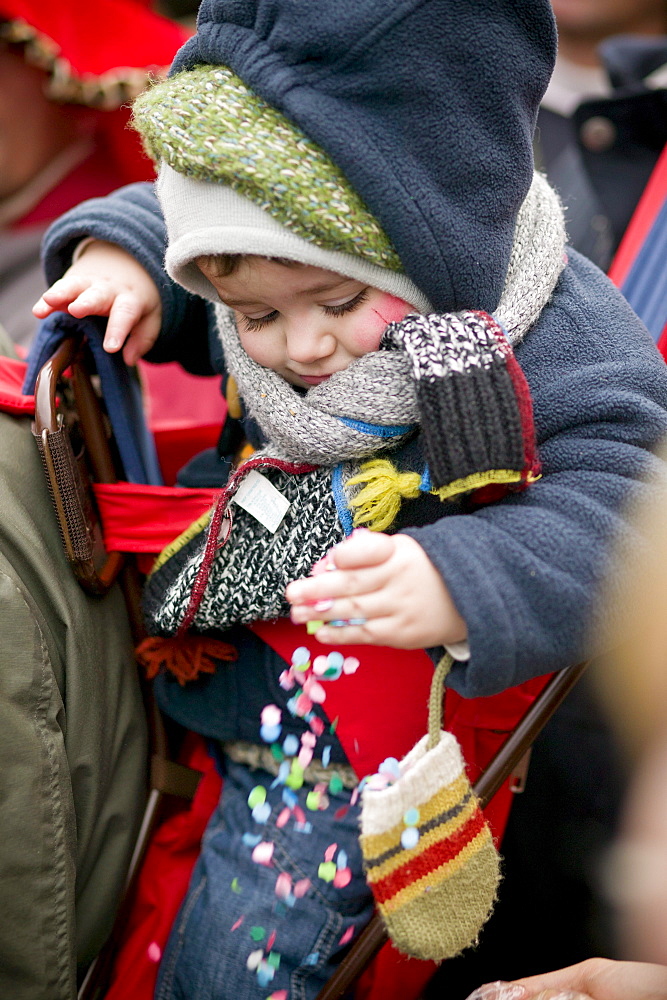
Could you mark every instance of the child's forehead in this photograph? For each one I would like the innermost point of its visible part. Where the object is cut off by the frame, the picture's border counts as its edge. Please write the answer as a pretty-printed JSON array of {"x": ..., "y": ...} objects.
[{"x": 255, "y": 272}]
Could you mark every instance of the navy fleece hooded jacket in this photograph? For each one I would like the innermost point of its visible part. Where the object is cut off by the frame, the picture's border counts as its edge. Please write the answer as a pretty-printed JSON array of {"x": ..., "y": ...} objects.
[{"x": 428, "y": 107}]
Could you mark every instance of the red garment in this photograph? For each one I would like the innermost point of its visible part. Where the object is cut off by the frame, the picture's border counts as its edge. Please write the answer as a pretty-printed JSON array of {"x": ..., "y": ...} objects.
[
  {"x": 372, "y": 724},
  {"x": 102, "y": 55}
]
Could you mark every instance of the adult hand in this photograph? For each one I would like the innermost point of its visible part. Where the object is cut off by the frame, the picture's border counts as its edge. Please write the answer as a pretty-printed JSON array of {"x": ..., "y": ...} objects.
[{"x": 594, "y": 979}]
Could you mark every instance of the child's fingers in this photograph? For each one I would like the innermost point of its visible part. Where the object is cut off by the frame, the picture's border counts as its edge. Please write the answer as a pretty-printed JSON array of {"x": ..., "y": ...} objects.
[
  {"x": 60, "y": 295},
  {"x": 367, "y": 606},
  {"x": 385, "y": 631},
  {"x": 338, "y": 583},
  {"x": 142, "y": 338},
  {"x": 363, "y": 548},
  {"x": 125, "y": 312}
]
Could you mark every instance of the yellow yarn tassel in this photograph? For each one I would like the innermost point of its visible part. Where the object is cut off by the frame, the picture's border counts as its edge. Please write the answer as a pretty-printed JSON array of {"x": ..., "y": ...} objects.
[{"x": 378, "y": 502}]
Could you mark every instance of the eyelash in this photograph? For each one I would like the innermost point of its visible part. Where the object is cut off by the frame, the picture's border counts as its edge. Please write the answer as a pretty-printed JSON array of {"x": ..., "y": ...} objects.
[{"x": 253, "y": 324}]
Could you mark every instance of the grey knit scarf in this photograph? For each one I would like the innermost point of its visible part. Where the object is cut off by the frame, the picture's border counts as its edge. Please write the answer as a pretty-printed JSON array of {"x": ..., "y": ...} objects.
[{"x": 368, "y": 409}]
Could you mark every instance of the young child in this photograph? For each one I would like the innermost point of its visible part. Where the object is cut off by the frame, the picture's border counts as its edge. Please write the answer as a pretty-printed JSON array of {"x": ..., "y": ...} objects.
[{"x": 353, "y": 212}]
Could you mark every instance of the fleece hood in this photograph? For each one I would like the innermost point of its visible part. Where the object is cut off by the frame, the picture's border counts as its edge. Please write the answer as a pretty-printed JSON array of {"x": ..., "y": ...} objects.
[{"x": 426, "y": 106}]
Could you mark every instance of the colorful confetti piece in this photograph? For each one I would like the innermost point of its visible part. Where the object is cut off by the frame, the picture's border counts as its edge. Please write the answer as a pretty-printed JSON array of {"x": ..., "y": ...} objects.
[
  {"x": 327, "y": 871},
  {"x": 347, "y": 936},
  {"x": 154, "y": 952},
  {"x": 263, "y": 853},
  {"x": 410, "y": 837}
]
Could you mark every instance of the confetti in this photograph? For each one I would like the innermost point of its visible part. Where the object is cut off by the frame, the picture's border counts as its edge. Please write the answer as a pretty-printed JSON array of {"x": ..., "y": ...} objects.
[
  {"x": 278, "y": 995},
  {"x": 271, "y": 715},
  {"x": 251, "y": 839},
  {"x": 316, "y": 725},
  {"x": 301, "y": 887},
  {"x": 295, "y": 778},
  {"x": 411, "y": 817},
  {"x": 308, "y": 740},
  {"x": 257, "y": 933},
  {"x": 290, "y": 745},
  {"x": 257, "y": 796},
  {"x": 313, "y": 626},
  {"x": 273, "y": 958},
  {"x": 341, "y": 860},
  {"x": 330, "y": 851},
  {"x": 327, "y": 871},
  {"x": 300, "y": 655},
  {"x": 261, "y": 813},
  {"x": 154, "y": 952},
  {"x": 265, "y": 974},
  {"x": 253, "y": 960},
  {"x": 320, "y": 664},
  {"x": 283, "y": 817},
  {"x": 270, "y": 733},
  {"x": 286, "y": 680},
  {"x": 235, "y": 886},
  {"x": 410, "y": 837},
  {"x": 313, "y": 801},
  {"x": 350, "y": 665},
  {"x": 315, "y": 691},
  {"x": 335, "y": 785},
  {"x": 312, "y": 959},
  {"x": 347, "y": 936},
  {"x": 238, "y": 923},
  {"x": 342, "y": 878},
  {"x": 305, "y": 757},
  {"x": 263, "y": 853},
  {"x": 326, "y": 756},
  {"x": 283, "y": 885},
  {"x": 390, "y": 767}
]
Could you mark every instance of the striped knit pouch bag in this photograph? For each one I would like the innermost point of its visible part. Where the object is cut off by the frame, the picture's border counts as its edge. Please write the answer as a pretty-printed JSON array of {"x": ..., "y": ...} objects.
[{"x": 428, "y": 852}]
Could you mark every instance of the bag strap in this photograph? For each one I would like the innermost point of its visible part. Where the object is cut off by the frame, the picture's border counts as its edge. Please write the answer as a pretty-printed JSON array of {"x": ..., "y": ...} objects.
[{"x": 436, "y": 699}]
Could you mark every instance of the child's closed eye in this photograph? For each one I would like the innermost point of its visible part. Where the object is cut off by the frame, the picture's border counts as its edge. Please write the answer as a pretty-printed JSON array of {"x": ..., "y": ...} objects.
[
  {"x": 340, "y": 308},
  {"x": 252, "y": 323}
]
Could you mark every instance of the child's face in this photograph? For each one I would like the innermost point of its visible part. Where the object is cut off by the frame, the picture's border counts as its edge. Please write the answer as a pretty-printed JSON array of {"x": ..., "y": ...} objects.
[{"x": 303, "y": 322}]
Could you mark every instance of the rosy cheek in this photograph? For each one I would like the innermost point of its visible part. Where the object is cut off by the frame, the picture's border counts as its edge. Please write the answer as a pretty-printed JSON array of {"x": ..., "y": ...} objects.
[
  {"x": 384, "y": 309},
  {"x": 390, "y": 308}
]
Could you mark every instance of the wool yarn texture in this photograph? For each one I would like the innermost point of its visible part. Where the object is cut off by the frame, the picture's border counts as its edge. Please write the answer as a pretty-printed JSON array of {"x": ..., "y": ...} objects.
[
  {"x": 458, "y": 366},
  {"x": 428, "y": 852}
]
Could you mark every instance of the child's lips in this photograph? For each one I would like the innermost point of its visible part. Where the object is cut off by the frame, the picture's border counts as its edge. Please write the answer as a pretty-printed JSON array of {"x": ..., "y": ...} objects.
[{"x": 314, "y": 379}]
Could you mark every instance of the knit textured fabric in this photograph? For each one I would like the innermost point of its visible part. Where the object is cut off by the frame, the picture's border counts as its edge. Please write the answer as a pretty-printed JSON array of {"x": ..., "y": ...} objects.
[
  {"x": 208, "y": 125},
  {"x": 206, "y": 218},
  {"x": 435, "y": 890},
  {"x": 317, "y": 439}
]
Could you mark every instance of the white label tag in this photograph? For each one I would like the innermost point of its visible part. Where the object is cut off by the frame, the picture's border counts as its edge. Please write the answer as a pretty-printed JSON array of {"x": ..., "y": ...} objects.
[{"x": 261, "y": 499}]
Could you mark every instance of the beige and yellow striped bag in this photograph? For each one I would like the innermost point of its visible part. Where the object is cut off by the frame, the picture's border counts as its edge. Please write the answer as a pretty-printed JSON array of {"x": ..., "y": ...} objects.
[{"x": 428, "y": 852}]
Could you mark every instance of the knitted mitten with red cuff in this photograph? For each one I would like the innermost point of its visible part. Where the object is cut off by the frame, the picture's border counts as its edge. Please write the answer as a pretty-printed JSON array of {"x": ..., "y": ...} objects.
[{"x": 475, "y": 407}]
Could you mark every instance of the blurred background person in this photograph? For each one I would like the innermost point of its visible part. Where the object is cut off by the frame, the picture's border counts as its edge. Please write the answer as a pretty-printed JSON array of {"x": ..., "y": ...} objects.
[
  {"x": 603, "y": 121},
  {"x": 68, "y": 72}
]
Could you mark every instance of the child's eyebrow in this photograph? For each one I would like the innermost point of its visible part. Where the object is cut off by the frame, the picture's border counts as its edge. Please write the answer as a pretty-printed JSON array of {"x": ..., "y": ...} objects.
[{"x": 327, "y": 286}]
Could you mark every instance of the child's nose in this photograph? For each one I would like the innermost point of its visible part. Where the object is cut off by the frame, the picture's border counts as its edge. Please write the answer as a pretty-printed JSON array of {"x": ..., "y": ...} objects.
[{"x": 309, "y": 342}]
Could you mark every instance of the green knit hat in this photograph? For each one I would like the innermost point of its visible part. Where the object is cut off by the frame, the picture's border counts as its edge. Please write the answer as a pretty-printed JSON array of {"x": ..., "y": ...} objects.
[{"x": 205, "y": 123}]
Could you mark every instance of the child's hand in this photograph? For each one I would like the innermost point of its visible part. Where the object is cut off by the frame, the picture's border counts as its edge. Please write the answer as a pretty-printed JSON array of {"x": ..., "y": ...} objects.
[
  {"x": 108, "y": 281},
  {"x": 389, "y": 581}
]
